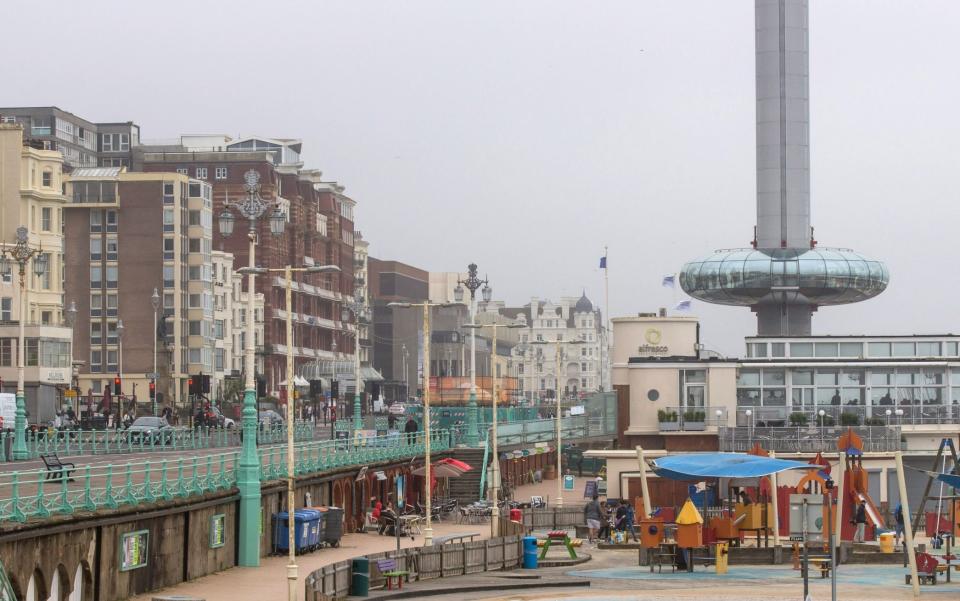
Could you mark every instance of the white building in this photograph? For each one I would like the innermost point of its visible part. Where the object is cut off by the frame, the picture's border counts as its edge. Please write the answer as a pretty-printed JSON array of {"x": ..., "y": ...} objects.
[{"x": 578, "y": 327}]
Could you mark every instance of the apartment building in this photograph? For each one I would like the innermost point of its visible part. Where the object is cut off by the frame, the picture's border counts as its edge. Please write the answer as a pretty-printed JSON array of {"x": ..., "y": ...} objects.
[
  {"x": 127, "y": 234},
  {"x": 31, "y": 197}
]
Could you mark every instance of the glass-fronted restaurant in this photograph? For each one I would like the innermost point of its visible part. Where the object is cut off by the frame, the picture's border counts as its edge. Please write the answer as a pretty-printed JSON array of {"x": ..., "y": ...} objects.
[{"x": 880, "y": 378}]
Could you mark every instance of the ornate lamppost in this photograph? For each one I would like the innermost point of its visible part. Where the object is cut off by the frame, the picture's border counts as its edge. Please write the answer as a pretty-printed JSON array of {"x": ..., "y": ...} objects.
[
  {"x": 21, "y": 254},
  {"x": 360, "y": 312},
  {"x": 251, "y": 207},
  {"x": 472, "y": 283}
]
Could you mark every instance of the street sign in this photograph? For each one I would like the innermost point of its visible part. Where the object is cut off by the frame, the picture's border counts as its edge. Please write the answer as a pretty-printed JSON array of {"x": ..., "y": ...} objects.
[
  {"x": 152, "y": 375},
  {"x": 796, "y": 539}
]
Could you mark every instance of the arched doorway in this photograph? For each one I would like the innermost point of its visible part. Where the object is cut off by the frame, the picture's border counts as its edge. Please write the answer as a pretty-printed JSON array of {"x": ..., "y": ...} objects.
[{"x": 36, "y": 587}]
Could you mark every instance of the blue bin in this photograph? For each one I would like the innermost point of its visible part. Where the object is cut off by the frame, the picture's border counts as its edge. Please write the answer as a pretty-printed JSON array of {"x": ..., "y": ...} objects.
[
  {"x": 529, "y": 552},
  {"x": 311, "y": 527},
  {"x": 301, "y": 533}
]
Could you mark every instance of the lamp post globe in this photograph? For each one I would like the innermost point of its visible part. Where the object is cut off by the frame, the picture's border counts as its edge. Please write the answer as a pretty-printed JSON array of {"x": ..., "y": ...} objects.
[{"x": 225, "y": 222}]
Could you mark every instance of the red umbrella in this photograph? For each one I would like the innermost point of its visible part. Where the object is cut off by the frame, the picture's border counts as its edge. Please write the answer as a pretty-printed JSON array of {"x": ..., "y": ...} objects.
[
  {"x": 456, "y": 463},
  {"x": 439, "y": 470}
]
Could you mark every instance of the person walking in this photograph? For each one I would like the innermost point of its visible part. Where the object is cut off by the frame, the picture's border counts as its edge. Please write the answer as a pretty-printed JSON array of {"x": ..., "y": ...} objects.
[
  {"x": 592, "y": 514},
  {"x": 860, "y": 519},
  {"x": 631, "y": 517},
  {"x": 411, "y": 429}
]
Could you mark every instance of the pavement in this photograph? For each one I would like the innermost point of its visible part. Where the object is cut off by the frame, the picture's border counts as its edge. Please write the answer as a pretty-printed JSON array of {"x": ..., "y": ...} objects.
[{"x": 269, "y": 581}]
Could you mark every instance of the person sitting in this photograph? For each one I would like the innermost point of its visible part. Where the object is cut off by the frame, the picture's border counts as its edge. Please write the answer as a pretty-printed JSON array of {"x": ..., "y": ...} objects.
[
  {"x": 387, "y": 521},
  {"x": 376, "y": 512}
]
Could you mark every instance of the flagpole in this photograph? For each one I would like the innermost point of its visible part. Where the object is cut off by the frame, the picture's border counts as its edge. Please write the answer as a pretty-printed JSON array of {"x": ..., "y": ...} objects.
[{"x": 606, "y": 302}]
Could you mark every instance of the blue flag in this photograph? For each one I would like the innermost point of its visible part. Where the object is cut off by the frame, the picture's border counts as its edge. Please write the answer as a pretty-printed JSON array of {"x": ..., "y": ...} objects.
[
  {"x": 683, "y": 305},
  {"x": 669, "y": 280},
  {"x": 603, "y": 262}
]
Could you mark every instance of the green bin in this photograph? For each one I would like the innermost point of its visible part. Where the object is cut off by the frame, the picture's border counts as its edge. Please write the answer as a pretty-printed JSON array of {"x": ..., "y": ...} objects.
[{"x": 360, "y": 577}]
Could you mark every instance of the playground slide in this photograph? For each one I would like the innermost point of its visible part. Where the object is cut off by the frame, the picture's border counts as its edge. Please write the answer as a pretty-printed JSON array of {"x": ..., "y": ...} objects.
[{"x": 872, "y": 514}]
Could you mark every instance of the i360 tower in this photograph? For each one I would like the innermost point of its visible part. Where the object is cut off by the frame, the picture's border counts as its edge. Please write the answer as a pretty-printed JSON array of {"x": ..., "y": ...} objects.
[{"x": 784, "y": 277}]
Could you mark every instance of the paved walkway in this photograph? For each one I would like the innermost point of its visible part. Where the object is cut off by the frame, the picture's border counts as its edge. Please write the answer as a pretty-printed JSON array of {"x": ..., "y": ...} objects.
[{"x": 269, "y": 581}]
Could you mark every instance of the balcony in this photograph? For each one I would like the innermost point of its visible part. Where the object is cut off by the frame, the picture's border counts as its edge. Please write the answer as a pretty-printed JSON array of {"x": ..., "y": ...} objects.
[
  {"x": 849, "y": 415},
  {"x": 807, "y": 440},
  {"x": 691, "y": 419}
]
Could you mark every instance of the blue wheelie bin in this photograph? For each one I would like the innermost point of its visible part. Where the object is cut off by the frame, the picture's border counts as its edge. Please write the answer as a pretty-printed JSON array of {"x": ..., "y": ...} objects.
[
  {"x": 301, "y": 531},
  {"x": 529, "y": 552},
  {"x": 311, "y": 527}
]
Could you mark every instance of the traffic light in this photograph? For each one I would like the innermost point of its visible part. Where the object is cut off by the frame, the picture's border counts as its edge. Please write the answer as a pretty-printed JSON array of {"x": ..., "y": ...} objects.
[
  {"x": 335, "y": 389},
  {"x": 117, "y": 387},
  {"x": 204, "y": 385},
  {"x": 190, "y": 388},
  {"x": 316, "y": 388},
  {"x": 153, "y": 390}
]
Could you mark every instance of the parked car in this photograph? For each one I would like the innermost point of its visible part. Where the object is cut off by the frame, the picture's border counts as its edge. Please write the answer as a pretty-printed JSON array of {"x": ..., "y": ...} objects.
[
  {"x": 270, "y": 419},
  {"x": 151, "y": 428}
]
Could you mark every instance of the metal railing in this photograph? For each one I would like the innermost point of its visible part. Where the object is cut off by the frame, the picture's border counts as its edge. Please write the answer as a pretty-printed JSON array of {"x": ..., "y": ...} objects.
[
  {"x": 806, "y": 439},
  {"x": 40, "y": 494},
  {"x": 851, "y": 415},
  {"x": 106, "y": 442}
]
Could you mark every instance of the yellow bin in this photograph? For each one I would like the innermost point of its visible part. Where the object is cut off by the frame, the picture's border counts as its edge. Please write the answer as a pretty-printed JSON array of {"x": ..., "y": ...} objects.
[{"x": 886, "y": 542}]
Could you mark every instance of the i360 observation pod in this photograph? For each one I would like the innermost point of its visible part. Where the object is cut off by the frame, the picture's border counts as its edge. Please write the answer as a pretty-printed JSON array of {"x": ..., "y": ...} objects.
[{"x": 784, "y": 277}]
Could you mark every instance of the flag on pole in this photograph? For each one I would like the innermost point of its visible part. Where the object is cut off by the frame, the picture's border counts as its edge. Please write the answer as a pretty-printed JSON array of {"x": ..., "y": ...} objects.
[
  {"x": 684, "y": 305},
  {"x": 669, "y": 281},
  {"x": 603, "y": 262}
]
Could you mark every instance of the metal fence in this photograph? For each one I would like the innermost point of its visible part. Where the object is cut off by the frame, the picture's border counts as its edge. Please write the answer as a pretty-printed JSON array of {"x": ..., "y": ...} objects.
[
  {"x": 806, "y": 439},
  {"x": 422, "y": 563},
  {"x": 849, "y": 415},
  {"x": 108, "y": 442},
  {"x": 41, "y": 494}
]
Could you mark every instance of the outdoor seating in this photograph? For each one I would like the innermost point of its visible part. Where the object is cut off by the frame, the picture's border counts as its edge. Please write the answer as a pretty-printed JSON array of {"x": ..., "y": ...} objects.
[
  {"x": 56, "y": 469},
  {"x": 388, "y": 567}
]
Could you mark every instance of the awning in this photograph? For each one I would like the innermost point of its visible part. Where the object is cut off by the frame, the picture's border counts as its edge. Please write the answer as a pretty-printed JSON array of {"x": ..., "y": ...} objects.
[
  {"x": 721, "y": 465},
  {"x": 297, "y": 381},
  {"x": 952, "y": 480}
]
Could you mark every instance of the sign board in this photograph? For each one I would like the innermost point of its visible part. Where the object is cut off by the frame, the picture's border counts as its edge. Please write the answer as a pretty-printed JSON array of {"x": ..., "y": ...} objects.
[
  {"x": 401, "y": 481},
  {"x": 361, "y": 474},
  {"x": 590, "y": 489},
  {"x": 806, "y": 517},
  {"x": 133, "y": 549},
  {"x": 218, "y": 533},
  {"x": 380, "y": 475},
  {"x": 577, "y": 410}
]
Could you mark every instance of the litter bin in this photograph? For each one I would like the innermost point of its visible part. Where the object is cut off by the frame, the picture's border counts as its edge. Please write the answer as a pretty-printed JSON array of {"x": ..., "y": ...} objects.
[
  {"x": 281, "y": 525},
  {"x": 529, "y": 552},
  {"x": 360, "y": 577},
  {"x": 311, "y": 527},
  {"x": 333, "y": 526},
  {"x": 886, "y": 542}
]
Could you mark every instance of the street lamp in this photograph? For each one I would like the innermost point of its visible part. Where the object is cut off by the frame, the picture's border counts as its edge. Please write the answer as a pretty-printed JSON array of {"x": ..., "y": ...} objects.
[
  {"x": 556, "y": 385},
  {"x": 899, "y": 414},
  {"x": 361, "y": 313},
  {"x": 21, "y": 254},
  {"x": 155, "y": 301},
  {"x": 428, "y": 529},
  {"x": 888, "y": 413},
  {"x": 119, "y": 368},
  {"x": 495, "y": 453},
  {"x": 287, "y": 272},
  {"x": 251, "y": 207},
  {"x": 821, "y": 413},
  {"x": 749, "y": 413},
  {"x": 70, "y": 318},
  {"x": 472, "y": 283}
]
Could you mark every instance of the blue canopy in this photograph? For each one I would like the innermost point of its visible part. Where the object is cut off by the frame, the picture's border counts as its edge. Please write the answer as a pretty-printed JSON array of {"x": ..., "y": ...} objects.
[
  {"x": 952, "y": 480},
  {"x": 698, "y": 466}
]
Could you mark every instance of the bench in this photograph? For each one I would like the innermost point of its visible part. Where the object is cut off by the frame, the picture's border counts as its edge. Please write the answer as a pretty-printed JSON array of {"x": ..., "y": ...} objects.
[
  {"x": 56, "y": 469},
  {"x": 388, "y": 567},
  {"x": 440, "y": 540},
  {"x": 821, "y": 563}
]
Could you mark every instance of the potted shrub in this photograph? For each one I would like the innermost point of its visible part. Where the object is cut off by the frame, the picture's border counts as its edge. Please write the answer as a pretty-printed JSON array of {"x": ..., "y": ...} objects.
[
  {"x": 875, "y": 421},
  {"x": 798, "y": 419},
  {"x": 668, "y": 420},
  {"x": 694, "y": 420},
  {"x": 849, "y": 419},
  {"x": 826, "y": 421}
]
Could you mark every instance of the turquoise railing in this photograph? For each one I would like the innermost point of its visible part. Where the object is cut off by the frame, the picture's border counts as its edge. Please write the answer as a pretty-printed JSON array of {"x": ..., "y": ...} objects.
[
  {"x": 40, "y": 494},
  {"x": 106, "y": 442}
]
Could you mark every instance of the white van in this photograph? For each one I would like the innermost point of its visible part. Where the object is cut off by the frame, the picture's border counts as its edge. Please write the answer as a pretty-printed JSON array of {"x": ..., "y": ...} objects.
[{"x": 8, "y": 410}]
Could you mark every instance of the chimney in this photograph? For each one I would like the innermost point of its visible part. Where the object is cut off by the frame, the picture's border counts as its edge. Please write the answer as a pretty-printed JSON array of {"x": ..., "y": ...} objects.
[{"x": 663, "y": 311}]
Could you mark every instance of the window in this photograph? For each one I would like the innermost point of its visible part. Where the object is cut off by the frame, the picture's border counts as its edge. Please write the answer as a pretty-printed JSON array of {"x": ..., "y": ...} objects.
[
  {"x": 194, "y": 301},
  {"x": 778, "y": 349},
  {"x": 851, "y": 349},
  {"x": 6, "y": 306},
  {"x": 96, "y": 304},
  {"x": 879, "y": 349},
  {"x": 112, "y": 304},
  {"x": 168, "y": 220},
  {"x": 903, "y": 349},
  {"x": 96, "y": 362},
  {"x": 168, "y": 249},
  {"x": 96, "y": 276},
  {"x": 194, "y": 328},
  {"x": 8, "y": 352},
  {"x": 96, "y": 221},
  {"x": 193, "y": 218},
  {"x": 801, "y": 349},
  {"x": 96, "y": 248},
  {"x": 112, "y": 248},
  {"x": 218, "y": 330},
  {"x": 111, "y": 221},
  {"x": 168, "y": 277},
  {"x": 183, "y": 171},
  {"x": 111, "y": 332},
  {"x": 194, "y": 356},
  {"x": 928, "y": 349},
  {"x": 218, "y": 356},
  {"x": 825, "y": 349},
  {"x": 113, "y": 276},
  {"x": 220, "y": 173},
  {"x": 111, "y": 361},
  {"x": 96, "y": 332},
  {"x": 45, "y": 278},
  {"x": 194, "y": 245},
  {"x": 201, "y": 173},
  {"x": 47, "y": 179}
]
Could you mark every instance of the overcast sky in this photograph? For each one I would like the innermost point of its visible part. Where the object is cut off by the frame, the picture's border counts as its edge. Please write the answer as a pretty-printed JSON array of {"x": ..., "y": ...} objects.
[{"x": 525, "y": 136}]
